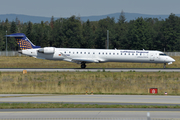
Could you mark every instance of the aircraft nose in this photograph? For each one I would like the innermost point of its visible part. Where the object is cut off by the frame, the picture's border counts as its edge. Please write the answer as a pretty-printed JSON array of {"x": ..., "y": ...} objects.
[{"x": 173, "y": 60}]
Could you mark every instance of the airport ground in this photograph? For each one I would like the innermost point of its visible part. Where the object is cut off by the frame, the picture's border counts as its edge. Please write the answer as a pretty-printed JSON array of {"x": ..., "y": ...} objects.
[
  {"x": 73, "y": 113},
  {"x": 88, "y": 101},
  {"x": 96, "y": 82},
  {"x": 88, "y": 114},
  {"x": 30, "y": 62},
  {"x": 82, "y": 82},
  {"x": 78, "y": 83}
]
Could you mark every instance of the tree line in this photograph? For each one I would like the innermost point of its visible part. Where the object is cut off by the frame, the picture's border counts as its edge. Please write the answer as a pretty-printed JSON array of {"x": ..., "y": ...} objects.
[{"x": 138, "y": 34}]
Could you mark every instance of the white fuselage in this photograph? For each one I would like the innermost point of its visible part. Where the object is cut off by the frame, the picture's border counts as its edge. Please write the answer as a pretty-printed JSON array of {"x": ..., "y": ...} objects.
[{"x": 101, "y": 55}]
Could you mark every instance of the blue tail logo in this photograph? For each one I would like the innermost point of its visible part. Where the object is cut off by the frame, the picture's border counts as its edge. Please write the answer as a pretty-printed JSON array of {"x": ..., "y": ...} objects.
[{"x": 23, "y": 42}]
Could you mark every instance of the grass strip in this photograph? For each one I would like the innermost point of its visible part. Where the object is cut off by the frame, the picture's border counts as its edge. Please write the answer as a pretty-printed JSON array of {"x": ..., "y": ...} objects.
[
  {"x": 97, "y": 82},
  {"x": 30, "y": 62},
  {"x": 62, "y": 105}
]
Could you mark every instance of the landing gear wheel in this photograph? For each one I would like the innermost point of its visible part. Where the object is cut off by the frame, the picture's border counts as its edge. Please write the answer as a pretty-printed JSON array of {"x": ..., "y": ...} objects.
[
  {"x": 83, "y": 65},
  {"x": 164, "y": 65}
]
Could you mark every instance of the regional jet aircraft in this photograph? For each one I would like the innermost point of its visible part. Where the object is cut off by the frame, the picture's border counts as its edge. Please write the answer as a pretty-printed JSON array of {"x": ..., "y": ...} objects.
[{"x": 83, "y": 56}]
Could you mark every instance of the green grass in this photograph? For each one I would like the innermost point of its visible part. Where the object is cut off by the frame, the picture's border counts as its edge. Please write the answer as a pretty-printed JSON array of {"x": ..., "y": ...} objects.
[
  {"x": 80, "y": 82},
  {"x": 62, "y": 105},
  {"x": 100, "y": 82}
]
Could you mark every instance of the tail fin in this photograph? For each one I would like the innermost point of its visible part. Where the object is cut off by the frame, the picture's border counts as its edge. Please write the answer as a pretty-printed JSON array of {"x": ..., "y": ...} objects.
[{"x": 23, "y": 42}]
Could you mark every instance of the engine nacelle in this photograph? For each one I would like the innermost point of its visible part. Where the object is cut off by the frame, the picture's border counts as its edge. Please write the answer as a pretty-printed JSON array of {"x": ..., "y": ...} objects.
[{"x": 47, "y": 50}]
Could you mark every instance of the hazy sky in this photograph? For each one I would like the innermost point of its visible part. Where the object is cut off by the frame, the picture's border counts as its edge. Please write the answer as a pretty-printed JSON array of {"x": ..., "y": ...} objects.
[{"x": 67, "y": 8}]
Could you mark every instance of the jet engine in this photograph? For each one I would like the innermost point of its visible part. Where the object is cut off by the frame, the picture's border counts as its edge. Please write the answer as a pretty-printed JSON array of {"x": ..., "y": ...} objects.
[{"x": 47, "y": 50}]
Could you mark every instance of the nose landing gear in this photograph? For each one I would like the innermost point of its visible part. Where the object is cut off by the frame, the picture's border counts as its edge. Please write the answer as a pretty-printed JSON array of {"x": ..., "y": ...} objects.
[
  {"x": 164, "y": 65},
  {"x": 83, "y": 65}
]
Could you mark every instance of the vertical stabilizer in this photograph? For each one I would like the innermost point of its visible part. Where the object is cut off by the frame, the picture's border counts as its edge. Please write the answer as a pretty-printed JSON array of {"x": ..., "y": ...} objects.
[{"x": 23, "y": 42}]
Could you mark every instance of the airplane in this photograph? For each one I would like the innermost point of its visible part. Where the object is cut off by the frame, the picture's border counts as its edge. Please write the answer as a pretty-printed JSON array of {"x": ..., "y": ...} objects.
[{"x": 83, "y": 56}]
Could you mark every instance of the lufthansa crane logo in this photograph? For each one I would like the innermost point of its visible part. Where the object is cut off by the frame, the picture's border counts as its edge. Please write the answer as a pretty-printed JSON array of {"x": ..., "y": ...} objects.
[{"x": 24, "y": 44}]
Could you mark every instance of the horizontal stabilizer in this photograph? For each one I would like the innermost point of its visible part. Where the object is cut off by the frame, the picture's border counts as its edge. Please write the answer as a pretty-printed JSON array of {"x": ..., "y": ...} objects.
[{"x": 16, "y": 35}]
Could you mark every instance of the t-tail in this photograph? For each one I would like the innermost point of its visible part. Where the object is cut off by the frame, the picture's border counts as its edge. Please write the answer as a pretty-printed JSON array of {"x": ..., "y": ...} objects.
[{"x": 23, "y": 42}]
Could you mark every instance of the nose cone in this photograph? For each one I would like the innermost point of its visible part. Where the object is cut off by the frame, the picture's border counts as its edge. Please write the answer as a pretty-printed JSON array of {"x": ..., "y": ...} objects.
[{"x": 173, "y": 60}]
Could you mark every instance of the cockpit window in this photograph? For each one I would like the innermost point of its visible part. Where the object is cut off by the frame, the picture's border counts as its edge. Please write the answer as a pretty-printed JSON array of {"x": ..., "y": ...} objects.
[{"x": 162, "y": 54}]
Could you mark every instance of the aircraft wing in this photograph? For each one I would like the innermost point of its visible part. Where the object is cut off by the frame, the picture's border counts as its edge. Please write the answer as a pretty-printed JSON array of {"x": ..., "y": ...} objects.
[
  {"x": 85, "y": 60},
  {"x": 77, "y": 60}
]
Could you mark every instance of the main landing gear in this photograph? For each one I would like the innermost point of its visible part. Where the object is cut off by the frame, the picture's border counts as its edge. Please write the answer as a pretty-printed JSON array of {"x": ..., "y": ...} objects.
[
  {"x": 83, "y": 65},
  {"x": 164, "y": 65}
]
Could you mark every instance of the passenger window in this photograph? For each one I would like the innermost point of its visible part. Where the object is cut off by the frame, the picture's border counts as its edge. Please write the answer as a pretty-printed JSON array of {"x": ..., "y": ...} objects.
[
  {"x": 81, "y": 52},
  {"x": 93, "y": 53},
  {"x": 77, "y": 52},
  {"x": 84, "y": 52},
  {"x": 65, "y": 52},
  {"x": 124, "y": 53},
  {"x": 88, "y": 52},
  {"x": 121, "y": 53},
  {"x": 129, "y": 53},
  {"x": 117, "y": 53},
  {"x": 113, "y": 53},
  {"x": 103, "y": 53},
  {"x": 109, "y": 53},
  {"x": 132, "y": 53}
]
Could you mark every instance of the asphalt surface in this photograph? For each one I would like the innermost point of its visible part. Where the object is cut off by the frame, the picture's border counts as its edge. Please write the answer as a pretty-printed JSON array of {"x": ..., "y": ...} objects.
[
  {"x": 89, "y": 109},
  {"x": 91, "y": 69},
  {"x": 93, "y": 99},
  {"x": 91, "y": 113}
]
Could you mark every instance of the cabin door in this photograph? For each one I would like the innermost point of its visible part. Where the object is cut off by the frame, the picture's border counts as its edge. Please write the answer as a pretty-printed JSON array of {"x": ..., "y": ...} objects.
[{"x": 151, "y": 57}]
